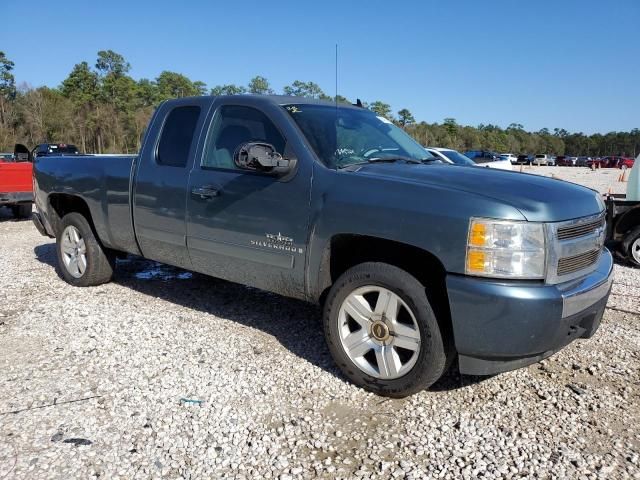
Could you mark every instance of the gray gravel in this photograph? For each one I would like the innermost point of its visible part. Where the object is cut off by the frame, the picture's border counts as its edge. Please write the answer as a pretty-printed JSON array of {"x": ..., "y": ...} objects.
[
  {"x": 605, "y": 180},
  {"x": 163, "y": 373}
]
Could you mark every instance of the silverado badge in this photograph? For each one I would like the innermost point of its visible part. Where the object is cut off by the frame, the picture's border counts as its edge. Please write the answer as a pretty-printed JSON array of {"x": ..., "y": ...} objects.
[{"x": 277, "y": 242}]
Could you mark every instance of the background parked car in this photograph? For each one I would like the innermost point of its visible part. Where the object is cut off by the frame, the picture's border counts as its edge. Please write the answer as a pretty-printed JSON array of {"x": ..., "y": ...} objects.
[
  {"x": 524, "y": 159},
  {"x": 509, "y": 156},
  {"x": 566, "y": 161},
  {"x": 45, "y": 149},
  {"x": 622, "y": 163},
  {"x": 582, "y": 161},
  {"x": 612, "y": 162},
  {"x": 543, "y": 159},
  {"x": 448, "y": 155},
  {"x": 485, "y": 158}
]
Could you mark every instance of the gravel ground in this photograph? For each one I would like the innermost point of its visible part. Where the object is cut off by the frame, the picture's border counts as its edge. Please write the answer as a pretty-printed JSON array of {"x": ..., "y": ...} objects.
[
  {"x": 605, "y": 180},
  {"x": 164, "y": 373}
]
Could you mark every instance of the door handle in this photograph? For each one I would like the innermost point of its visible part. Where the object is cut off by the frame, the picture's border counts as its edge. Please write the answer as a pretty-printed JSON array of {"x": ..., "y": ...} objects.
[{"x": 206, "y": 191}]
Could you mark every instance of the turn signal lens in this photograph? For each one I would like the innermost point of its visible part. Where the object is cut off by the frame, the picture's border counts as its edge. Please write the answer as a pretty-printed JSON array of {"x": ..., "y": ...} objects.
[
  {"x": 475, "y": 261},
  {"x": 478, "y": 236}
]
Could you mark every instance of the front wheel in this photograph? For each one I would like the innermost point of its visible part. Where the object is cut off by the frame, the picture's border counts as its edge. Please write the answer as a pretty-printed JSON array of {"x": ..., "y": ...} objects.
[
  {"x": 82, "y": 260},
  {"x": 382, "y": 332}
]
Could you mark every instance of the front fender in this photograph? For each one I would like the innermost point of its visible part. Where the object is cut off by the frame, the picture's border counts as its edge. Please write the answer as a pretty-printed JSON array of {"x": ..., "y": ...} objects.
[{"x": 432, "y": 218}]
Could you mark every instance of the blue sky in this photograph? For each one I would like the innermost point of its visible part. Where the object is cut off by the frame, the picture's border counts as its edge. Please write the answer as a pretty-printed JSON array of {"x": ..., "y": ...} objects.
[{"x": 571, "y": 64}]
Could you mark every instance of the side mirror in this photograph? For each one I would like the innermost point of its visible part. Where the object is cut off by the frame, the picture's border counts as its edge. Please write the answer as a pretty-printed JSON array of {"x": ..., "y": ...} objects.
[{"x": 261, "y": 157}]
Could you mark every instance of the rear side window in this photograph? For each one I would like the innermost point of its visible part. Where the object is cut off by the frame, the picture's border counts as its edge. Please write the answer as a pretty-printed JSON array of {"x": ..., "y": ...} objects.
[{"x": 177, "y": 135}]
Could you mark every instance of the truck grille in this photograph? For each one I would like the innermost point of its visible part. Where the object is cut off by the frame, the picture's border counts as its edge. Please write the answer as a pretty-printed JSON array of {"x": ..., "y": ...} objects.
[
  {"x": 568, "y": 265},
  {"x": 580, "y": 229}
]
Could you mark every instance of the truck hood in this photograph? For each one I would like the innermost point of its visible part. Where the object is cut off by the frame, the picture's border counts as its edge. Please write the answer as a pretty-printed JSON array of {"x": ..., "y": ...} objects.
[{"x": 539, "y": 199}]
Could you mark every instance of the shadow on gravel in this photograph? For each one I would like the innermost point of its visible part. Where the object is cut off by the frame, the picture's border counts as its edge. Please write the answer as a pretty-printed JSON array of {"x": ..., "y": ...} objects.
[
  {"x": 295, "y": 324},
  {"x": 7, "y": 216}
]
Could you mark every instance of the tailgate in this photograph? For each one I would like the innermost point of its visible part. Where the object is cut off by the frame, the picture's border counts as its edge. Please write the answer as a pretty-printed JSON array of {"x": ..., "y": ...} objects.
[{"x": 15, "y": 177}]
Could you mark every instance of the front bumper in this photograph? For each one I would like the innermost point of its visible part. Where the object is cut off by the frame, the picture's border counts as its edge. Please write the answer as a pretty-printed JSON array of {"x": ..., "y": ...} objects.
[{"x": 499, "y": 326}]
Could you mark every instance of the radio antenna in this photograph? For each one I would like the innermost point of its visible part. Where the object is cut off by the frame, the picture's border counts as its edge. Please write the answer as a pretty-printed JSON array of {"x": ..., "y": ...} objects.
[{"x": 336, "y": 97}]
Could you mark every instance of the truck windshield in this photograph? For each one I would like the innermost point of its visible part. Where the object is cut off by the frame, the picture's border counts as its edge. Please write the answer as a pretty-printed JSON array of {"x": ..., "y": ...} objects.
[{"x": 345, "y": 136}]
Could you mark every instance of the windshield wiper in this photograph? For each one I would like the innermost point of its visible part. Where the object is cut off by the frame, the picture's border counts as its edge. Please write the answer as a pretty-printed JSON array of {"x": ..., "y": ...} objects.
[
  {"x": 393, "y": 159},
  {"x": 397, "y": 158}
]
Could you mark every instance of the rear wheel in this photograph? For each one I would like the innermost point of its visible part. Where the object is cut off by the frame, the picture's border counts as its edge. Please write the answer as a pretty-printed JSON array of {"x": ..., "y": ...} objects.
[
  {"x": 382, "y": 332},
  {"x": 82, "y": 261}
]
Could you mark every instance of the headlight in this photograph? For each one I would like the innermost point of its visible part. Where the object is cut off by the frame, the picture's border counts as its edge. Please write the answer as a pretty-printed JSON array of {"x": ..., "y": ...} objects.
[{"x": 505, "y": 249}]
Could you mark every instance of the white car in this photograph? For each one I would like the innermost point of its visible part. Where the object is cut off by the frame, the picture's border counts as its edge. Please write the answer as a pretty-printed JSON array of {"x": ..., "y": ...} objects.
[
  {"x": 449, "y": 155},
  {"x": 509, "y": 156},
  {"x": 544, "y": 159}
]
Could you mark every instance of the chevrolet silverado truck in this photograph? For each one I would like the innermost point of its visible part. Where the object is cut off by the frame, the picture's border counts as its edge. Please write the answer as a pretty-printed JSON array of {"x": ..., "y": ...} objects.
[
  {"x": 414, "y": 262},
  {"x": 16, "y": 190}
]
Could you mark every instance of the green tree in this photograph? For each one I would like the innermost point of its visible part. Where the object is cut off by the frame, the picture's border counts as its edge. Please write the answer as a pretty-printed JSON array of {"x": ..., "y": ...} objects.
[
  {"x": 228, "y": 89},
  {"x": 175, "y": 85},
  {"x": 405, "y": 117},
  {"x": 146, "y": 93},
  {"x": 260, "y": 86},
  {"x": 81, "y": 85},
  {"x": 112, "y": 63},
  {"x": 382, "y": 109},
  {"x": 305, "y": 89},
  {"x": 451, "y": 127},
  {"x": 7, "y": 87}
]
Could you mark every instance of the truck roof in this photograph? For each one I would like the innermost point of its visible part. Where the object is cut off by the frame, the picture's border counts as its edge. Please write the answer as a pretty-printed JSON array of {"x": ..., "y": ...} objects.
[{"x": 273, "y": 99}]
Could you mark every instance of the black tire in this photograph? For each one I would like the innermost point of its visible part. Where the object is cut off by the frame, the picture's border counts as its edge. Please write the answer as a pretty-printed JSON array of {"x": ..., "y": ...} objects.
[
  {"x": 22, "y": 210},
  {"x": 99, "y": 262},
  {"x": 630, "y": 245},
  {"x": 434, "y": 351}
]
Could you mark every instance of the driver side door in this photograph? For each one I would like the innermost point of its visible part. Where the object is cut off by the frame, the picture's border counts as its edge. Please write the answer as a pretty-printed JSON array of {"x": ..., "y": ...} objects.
[{"x": 246, "y": 226}]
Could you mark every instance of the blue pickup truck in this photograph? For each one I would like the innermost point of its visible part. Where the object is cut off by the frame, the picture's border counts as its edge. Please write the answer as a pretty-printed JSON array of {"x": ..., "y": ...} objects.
[{"x": 414, "y": 263}]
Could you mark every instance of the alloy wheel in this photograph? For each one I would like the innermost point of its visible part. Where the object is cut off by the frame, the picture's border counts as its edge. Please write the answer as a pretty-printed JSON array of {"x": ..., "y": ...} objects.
[
  {"x": 74, "y": 251},
  {"x": 379, "y": 332}
]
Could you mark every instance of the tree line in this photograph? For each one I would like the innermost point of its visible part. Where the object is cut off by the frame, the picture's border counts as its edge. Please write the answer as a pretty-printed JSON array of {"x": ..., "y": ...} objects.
[{"x": 102, "y": 109}]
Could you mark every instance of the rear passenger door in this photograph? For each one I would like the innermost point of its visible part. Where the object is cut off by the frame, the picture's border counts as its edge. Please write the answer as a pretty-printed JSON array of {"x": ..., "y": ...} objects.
[{"x": 160, "y": 189}]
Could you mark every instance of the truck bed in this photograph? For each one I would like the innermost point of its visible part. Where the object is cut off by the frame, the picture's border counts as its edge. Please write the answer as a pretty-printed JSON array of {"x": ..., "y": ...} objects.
[{"x": 104, "y": 183}]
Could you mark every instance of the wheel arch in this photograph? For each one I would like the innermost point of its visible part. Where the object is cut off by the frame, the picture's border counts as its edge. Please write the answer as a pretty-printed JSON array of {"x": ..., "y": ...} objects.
[
  {"x": 344, "y": 251},
  {"x": 627, "y": 222},
  {"x": 60, "y": 204}
]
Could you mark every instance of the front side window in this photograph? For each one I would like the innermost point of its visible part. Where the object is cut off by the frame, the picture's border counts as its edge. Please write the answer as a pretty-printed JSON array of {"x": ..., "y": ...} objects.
[
  {"x": 177, "y": 135},
  {"x": 233, "y": 126},
  {"x": 345, "y": 136}
]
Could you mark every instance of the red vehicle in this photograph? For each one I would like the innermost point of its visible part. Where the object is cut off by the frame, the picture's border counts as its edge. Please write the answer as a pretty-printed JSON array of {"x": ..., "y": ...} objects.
[
  {"x": 566, "y": 161},
  {"x": 16, "y": 188},
  {"x": 612, "y": 162}
]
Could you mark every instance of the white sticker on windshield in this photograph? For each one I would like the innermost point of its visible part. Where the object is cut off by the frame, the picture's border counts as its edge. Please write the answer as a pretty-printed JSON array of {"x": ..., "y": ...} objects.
[{"x": 382, "y": 119}]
